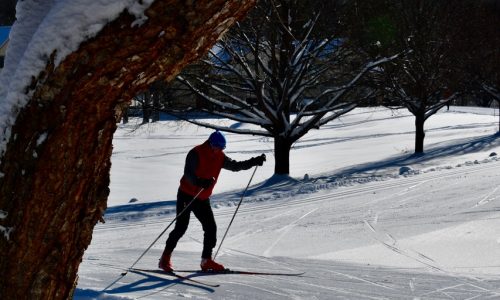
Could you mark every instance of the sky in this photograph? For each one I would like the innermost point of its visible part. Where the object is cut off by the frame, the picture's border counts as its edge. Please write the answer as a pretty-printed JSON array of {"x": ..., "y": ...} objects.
[
  {"x": 4, "y": 34},
  {"x": 360, "y": 215}
]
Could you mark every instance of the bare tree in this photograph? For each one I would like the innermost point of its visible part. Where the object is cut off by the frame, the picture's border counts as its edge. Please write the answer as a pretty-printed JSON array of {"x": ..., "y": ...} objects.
[
  {"x": 149, "y": 101},
  {"x": 283, "y": 70},
  {"x": 424, "y": 80},
  {"x": 54, "y": 168}
]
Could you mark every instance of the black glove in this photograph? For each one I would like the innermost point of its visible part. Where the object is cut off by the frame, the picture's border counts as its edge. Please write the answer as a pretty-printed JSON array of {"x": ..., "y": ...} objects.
[
  {"x": 205, "y": 182},
  {"x": 259, "y": 160}
]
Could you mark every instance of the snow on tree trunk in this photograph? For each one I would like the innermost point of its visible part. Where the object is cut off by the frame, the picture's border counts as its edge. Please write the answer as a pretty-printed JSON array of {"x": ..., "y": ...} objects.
[{"x": 54, "y": 175}]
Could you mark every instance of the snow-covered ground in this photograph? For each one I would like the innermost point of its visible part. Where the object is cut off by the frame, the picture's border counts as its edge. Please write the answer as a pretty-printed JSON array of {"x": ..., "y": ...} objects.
[{"x": 357, "y": 227}]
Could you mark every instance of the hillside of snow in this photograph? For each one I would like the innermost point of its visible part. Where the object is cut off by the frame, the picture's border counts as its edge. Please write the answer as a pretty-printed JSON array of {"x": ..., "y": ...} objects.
[{"x": 360, "y": 215}]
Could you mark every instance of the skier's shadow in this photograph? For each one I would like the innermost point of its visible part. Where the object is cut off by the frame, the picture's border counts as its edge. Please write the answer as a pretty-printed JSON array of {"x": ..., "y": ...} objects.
[{"x": 151, "y": 282}]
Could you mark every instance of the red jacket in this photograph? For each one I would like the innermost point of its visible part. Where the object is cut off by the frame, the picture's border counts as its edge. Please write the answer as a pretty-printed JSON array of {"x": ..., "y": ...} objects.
[{"x": 209, "y": 165}]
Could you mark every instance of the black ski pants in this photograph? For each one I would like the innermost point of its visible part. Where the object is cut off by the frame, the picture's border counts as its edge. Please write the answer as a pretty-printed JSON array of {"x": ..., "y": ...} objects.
[{"x": 203, "y": 212}]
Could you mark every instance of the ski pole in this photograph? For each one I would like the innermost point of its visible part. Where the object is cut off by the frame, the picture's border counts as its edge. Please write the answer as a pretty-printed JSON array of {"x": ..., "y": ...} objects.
[
  {"x": 176, "y": 217},
  {"x": 234, "y": 215}
]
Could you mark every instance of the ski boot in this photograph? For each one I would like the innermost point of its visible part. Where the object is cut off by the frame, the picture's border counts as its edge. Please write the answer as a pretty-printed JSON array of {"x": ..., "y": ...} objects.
[
  {"x": 209, "y": 265},
  {"x": 165, "y": 264}
]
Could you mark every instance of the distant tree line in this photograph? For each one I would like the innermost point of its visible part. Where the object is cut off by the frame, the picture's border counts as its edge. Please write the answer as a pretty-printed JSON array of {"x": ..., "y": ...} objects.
[
  {"x": 444, "y": 51},
  {"x": 292, "y": 66},
  {"x": 455, "y": 53}
]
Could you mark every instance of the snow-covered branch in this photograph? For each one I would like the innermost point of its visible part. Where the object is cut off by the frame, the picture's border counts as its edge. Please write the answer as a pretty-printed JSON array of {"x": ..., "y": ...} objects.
[
  {"x": 356, "y": 78},
  {"x": 186, "y": 118},
  {"x": 432, "y": 109}
]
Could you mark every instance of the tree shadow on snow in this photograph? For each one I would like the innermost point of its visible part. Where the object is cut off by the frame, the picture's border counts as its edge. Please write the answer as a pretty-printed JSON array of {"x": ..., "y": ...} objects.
[
  {"x": 276, "y": 183},
  {"x": 140, "y": 211},
  {"x": 282, "y": 183},
  {"x": 134, "y": 207},
  {"x": 437, "y": 151}
]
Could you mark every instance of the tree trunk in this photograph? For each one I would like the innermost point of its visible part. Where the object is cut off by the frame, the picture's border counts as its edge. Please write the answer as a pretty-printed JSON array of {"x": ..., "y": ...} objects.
[
  {"x": 498, "y": 115},
  {"x": 54, "y": 174},
  {"x": 125, "y": 116},
  {"x": 419, "y": 133},
  {"x": 282, "y": 148},
  {"x": 155, "y": 115},
  {"x": 156, "y": 93},
  {"x": 146, "y": 109}
]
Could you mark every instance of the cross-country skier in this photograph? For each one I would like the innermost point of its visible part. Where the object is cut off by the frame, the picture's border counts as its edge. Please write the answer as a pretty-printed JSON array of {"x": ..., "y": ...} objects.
[{"x": 203, "y": 165}]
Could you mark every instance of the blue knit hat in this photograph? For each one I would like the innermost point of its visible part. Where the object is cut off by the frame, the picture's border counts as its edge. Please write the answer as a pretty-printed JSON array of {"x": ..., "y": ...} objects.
[{"x": 217, "y": 139}]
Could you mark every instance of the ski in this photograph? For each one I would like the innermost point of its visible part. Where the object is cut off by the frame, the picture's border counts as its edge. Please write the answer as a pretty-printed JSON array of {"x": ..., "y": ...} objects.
[
  {"x": 174, "y": 274},
  {"x": 243, "y": 272}
]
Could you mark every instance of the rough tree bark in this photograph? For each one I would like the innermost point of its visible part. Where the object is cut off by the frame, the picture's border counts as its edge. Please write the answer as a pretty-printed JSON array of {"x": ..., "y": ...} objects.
[{"x": 56, "y": 166}]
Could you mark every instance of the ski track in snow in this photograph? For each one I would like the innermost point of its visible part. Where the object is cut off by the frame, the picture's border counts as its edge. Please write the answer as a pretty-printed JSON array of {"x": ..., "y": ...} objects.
[
  {"x": 413, "y": 181},
  {"x": 455, "y": 286},
  {"x": 487, "y": 198},
  {"x": 407, "y": 253},
  {"x": 357, "y": 278},
  {"x": 285, "y": 230},
  {"x": 430, "y": 263},
  {"x": 244, "y": 234}
]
